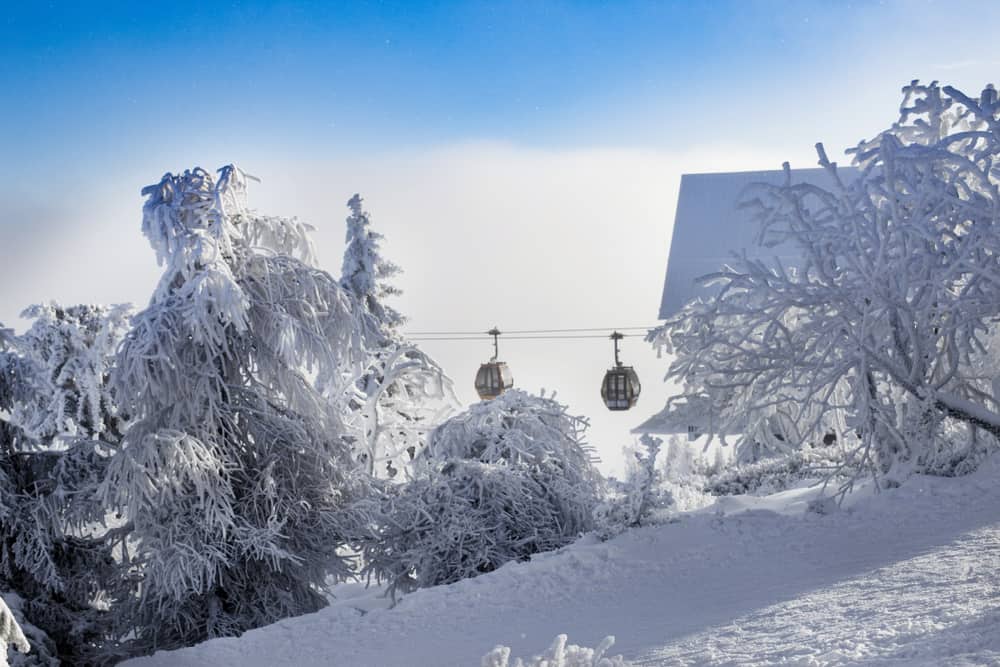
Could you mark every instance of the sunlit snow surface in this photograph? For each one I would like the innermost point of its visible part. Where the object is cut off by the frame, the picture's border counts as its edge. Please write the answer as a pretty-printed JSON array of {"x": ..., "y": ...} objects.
[{"x": 909, "y": 576}]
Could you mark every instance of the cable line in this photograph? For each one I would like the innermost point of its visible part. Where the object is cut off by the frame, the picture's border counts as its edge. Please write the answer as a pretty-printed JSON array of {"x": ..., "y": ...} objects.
[
  {"x": 525, "y": 331},
  {"x": 506, "y": 337}
]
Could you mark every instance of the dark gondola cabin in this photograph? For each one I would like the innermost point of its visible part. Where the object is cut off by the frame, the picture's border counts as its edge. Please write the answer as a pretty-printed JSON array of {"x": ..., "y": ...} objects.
[
  {"x": 620, "y": 388},
  {"x": 494, "y": 377}
]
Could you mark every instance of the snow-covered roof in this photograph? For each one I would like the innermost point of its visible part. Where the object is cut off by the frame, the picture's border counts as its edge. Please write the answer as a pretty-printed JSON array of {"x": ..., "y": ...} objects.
[
  {"x": 708, "y": 228},
  {"x": 680, "y": 416}
]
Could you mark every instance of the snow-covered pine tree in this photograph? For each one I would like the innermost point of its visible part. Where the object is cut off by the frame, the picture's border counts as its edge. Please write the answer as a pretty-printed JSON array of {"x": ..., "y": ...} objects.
[
  {"x": 879, "y": 335},
  {"x": 58, "y": 424},
  {"x": 632, "y": 502},
  {"x": 235, "y": 472},
  {"x": 10, "y": 634},
  {"x": 506, "y": 479},
  {"x": 403, "y": 393},
  {"x": 365, "y": 273},
  {"x": 11, "y": 366}
]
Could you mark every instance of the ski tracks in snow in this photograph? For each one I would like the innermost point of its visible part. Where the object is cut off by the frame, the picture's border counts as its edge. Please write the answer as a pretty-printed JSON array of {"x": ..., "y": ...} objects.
[
  {"x": 910, "y": 576},
  {"x": 937, "y": 608}
]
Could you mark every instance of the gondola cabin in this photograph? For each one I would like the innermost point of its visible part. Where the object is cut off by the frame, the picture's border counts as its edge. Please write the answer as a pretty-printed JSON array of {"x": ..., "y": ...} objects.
[
  {"x": 493, "y": 379},
  {"x": 494, "y": 376},
  {"x": 620, "y": 388}
]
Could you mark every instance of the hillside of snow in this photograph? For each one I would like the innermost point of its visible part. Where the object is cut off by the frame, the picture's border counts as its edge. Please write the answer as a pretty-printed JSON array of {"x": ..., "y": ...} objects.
[{"x": 906, "y": 576}]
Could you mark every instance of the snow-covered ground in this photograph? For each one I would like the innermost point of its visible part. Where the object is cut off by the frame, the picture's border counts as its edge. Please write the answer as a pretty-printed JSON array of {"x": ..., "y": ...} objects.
[{"x": 908, "y": 576}]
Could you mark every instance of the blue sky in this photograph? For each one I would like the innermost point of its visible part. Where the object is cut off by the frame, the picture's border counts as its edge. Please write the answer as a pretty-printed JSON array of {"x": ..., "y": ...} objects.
[
  {"x": 105, "y": 80},
  {"x": 522, "y": 158}
]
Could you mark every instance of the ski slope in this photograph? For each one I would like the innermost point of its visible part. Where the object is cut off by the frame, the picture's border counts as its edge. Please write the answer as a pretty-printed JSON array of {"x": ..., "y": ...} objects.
[{"x": 907, "y": 576}]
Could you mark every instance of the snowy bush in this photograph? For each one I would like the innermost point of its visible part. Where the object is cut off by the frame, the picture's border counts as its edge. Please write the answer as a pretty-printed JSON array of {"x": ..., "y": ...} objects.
[
  {"x": 236, "y": 471},
  {"x": 777, "y": 473},
  {"x": 507, "y": 479},
  {"x": 880, "y": 333},
  {"x": 467, "y": 518},
  {"x": 560, "y": 654},
  {"x": 519, "y": 429}
]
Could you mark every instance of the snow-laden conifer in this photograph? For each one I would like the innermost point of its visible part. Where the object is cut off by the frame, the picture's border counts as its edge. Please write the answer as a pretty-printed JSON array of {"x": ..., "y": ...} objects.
[
  {"x": 641, "y": 493},
  {"x": 403, "y": 393},
  {"x": 235, "y": 471},
  {"x": 365, "y": 273},
  {"x": 879, "y": 336},
  {"x": 58, "y": 425}
]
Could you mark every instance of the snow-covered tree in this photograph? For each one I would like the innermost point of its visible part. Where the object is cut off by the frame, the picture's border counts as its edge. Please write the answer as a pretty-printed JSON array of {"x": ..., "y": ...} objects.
[
  {"x": 878, "y": 334},
  {"x": 403, "y": 393},
  {"x": 58, "y": 425},
  {"x": 10, "y": 634},
  {"x": 365, "y": 273},
  {"x": 641, "y": 493},
  {"x": 12, "y": 369},
  {"x": 235, "y": 472},
  {"x": 506, "y": 479},
  {"x": 69, "y": 352}
]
